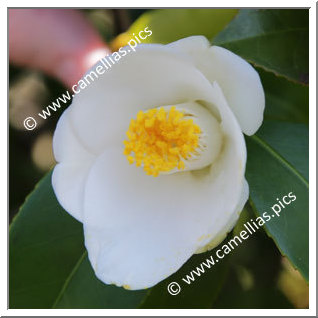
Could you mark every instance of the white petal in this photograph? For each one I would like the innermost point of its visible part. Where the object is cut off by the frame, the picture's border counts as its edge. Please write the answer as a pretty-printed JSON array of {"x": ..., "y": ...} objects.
[
  {"x": 191, "y": 45},
  {"x": 68, "y": 181},
  {"x": 244, "y": 196},
  {"x": 219, "y": 237},
  {"x": 139, "y": 229},
  {"x": 66, "y": 144},
  {"x": 152, "y": 76},
  {"x": 239, "y": 81},
  {"x": 69, "y": 175}
]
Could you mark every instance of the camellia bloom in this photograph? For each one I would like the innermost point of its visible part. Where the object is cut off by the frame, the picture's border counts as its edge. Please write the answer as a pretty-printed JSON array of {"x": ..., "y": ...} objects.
[{"x": 151, "y": 157}]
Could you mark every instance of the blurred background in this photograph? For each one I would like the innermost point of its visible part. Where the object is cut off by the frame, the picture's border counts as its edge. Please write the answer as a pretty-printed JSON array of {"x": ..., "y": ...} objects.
[{"x": 259, "y": 276}]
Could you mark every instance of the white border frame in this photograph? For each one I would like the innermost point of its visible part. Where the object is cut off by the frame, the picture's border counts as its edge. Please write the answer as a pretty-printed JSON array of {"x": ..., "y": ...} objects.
[{"x": 312, "y": 163}]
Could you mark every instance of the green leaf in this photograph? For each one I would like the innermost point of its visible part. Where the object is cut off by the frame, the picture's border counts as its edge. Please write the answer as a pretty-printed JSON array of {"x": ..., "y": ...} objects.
[
  {"x": 291, "y": 141},
  {"x": 277, "y": 165},
  {"x": 169, "y": 25},
  {"x": 285, "y": 100},
  {"x": 275, "y": 39},
  {"x": 84, "y": 290},
  {"x": 201, "y": 293},
  {"x": 48, "y": 258},
  {"x": 45, "y": 244}
]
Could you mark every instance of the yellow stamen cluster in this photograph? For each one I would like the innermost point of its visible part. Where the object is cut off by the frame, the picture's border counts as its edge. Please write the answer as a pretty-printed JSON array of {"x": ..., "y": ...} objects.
[{"x": 160, "y": 140}]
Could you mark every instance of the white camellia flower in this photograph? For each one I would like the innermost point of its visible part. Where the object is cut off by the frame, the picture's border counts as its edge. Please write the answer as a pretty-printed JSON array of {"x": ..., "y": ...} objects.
[{"x": 151, "y": 157}]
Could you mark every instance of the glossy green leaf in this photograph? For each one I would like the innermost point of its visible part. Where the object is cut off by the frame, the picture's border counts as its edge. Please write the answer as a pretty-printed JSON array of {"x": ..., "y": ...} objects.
[
  {"x": 168, "y": 25},
  {"x": 47, "y": 259},
  {"x": 84, "y": 290},
  {"x": 291, "y": 141},
  {"x": 277, "y": 165},
  {"x": 275, "y": 39},
  {"x": 45, "y": 243},
  {"x": 285, "y": 100}
]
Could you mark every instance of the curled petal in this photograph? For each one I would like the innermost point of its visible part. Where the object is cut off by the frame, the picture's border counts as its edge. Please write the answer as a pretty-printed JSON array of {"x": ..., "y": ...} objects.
[{"x": 239, "y": 81}]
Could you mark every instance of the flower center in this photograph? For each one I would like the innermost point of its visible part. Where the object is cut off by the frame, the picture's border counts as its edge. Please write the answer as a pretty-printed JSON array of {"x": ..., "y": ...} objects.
[
  {"x": 172, "y": 139},
  {"x": 161, "y": 139}
]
